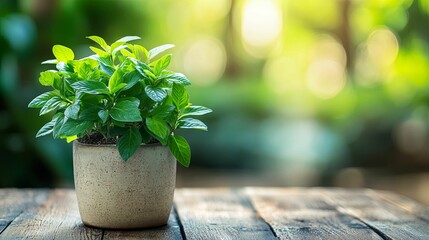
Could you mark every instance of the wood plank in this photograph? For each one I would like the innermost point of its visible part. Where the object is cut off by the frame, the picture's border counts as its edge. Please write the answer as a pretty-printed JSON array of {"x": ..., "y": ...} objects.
[
  {"x": 56, "y": 218},
  {"x": 387, "y": 219},
  {"x": 296, "y": 213},
  {"x": 405, "y": 203},
  {"x": 14, "y": 201},
  {"x": 167, "y": 232},
  {"x": 219, "y": 214}
]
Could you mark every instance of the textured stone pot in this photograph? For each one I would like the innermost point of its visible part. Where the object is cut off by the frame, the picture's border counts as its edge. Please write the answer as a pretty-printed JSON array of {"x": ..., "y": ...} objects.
[{"x": 115, "y": 194}]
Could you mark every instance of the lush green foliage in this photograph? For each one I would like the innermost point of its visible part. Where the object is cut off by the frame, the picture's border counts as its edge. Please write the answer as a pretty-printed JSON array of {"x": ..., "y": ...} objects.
[{"x": 121, "y": 91}]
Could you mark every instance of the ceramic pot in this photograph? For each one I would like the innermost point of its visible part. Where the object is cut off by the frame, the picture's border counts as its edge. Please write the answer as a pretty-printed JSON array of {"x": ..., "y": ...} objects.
[{"x": 115, "y": 194}]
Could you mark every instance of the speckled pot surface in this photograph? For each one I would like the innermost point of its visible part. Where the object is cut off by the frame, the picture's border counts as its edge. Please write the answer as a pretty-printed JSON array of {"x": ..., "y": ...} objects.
[{"x": 115, "y": 194}]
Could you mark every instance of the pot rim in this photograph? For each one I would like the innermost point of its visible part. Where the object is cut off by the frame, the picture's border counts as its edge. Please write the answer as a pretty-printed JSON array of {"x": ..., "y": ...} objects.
[{"x": 114, "y": 145}]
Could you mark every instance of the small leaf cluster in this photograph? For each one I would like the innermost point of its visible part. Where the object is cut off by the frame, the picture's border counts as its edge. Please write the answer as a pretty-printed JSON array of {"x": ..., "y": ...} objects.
[{"x": 122, "y": 91}]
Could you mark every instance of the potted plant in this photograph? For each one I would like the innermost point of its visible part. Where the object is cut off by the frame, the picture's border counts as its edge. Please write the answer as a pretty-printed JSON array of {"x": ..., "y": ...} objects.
[{"x": 121, "y": 107}]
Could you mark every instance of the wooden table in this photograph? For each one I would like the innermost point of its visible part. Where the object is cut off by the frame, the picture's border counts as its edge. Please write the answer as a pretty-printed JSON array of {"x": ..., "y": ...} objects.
[{"x": 223, "y": 213}]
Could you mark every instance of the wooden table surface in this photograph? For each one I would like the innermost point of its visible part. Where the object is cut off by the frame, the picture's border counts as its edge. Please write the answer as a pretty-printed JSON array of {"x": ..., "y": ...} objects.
[{"x": 224, "y": 213}]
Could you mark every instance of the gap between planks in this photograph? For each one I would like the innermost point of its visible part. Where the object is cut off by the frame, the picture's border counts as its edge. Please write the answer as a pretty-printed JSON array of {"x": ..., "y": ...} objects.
[
  {"x": 387, "y": 218},
  {"x": 296, "y": 213},
  {"x": 219, "y": 213}
]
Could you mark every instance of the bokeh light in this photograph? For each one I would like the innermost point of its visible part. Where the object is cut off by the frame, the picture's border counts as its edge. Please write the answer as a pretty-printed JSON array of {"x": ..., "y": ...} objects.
[
  {"x": 261, "y": 26},
  {"x": 376, "y": 56},
  {"x": 204, "y": 61},
  {"x": 382, "y": 47},
  {"x": 326, "y": 78},
  {"x": 326, "y": 75}
]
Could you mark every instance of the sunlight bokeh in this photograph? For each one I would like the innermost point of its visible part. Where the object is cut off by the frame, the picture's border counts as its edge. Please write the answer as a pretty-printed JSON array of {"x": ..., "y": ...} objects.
[{"x": 261, "y": 26}]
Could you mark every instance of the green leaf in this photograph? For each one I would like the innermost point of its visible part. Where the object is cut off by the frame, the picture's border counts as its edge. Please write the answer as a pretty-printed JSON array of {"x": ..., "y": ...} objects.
[
  {"x": 159, "y": 128},
  {"x": 156, "y": 94},
  {"x": 72, "y": 111},
  {"x": 59, "y": 120},
  {"x": 192, "y": 123},
  {"x": 142, "y": 67},
  {"x": 118, "y": 87},
  {"x": 117, "y": 49},
  {"x": 47, "y": 78},
  {"x": 128, "y": 39},
  {"x": 126, "y": 111},
  {"x": 65, "y": 67},
  {"x": 40, "y": 100},
  {"x": 129, "y": 143},
  {"x": 50, "y": 105},
  {"x": 89, "y": 112},
  {"x": 195, "y": 111},
  {"x": 136, "y": 90},
  {"x": 105, "y": 64},
  {"x": 104, "y": 115},
  {"x": 46, "y": 129},
  {"x": 162, "y": 64},
  {"x": 131, "y": 79},
  {"x": 127, "y": 53},
  {"x": 149, "y": 74},
  {"x": 180, "y": 149},
  {"x": 163, "y": 111},
  {"x": 91, "y": 87},
  {"x": 100, "y": 41},
  {"x": 115, "y": 79},
  {"x": 140, "y": 53},
  {"x": 98, "y": 51},
  {"x": 177, "y": 78},
  {"x": 146, "y": 137},
  {"x": 134, "y": 100},
  {"x": 180, "y": 96},
  {"x": 73, "y": 127},
  {"x": 85, "y": 70},
  {"x": 62, "y": 53},
  {"x": 50, "y": 61},
  {"x": 155, "y": 51}
]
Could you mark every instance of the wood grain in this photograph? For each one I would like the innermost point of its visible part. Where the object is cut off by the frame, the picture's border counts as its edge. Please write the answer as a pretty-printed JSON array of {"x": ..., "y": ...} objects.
[
  {"x": 167, "y": 232},
  {"x": 14, "y": 201},
  {"x": 385, "y": 218},
  {"x": 403, "y": 202},
  {"x": 224, "y": 213},
  {"x": 303, "y": 214},
  {"x": 219, "y": 214},
  {"x": 56, "y": 218}
]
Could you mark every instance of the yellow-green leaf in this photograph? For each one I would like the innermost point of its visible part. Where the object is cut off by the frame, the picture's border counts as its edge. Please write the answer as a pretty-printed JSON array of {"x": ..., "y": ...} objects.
[
  {"x": 128, "y": 38},
  {"x": 100, "y": 41},
  {"x": 62, "y": 53},
  {"x": 47, "y": 78},
  {"x": 127, "y": 53},
  {"x": 71, "y": 138},
  {"x": 99, "y": 52},
  {"x": 140, "y": 52}
]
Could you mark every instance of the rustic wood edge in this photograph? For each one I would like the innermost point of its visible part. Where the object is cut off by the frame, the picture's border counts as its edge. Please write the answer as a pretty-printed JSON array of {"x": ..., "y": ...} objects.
[{"x": 401, "y": 202}]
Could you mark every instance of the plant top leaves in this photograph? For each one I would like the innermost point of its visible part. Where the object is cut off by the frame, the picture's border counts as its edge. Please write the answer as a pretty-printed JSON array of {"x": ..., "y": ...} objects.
[{"x": 122, "y": 91}]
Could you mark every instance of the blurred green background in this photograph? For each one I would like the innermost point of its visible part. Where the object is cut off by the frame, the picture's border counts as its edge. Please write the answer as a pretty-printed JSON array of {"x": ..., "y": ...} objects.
[{"x": 304, "y": 92}]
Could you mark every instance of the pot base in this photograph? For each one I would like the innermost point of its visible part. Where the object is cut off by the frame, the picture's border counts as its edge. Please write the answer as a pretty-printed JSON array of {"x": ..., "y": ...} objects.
[
  {"x": 125, "y": 228},
  {"x": 115, "y": 194}
]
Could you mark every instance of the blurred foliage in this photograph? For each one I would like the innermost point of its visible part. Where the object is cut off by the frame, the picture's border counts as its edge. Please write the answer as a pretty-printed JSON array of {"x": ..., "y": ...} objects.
[{"x": 319, "y": 84}]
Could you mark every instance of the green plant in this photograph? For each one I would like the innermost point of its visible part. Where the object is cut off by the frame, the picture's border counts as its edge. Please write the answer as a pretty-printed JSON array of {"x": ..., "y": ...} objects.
[{"x": 123, "y": 93}]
